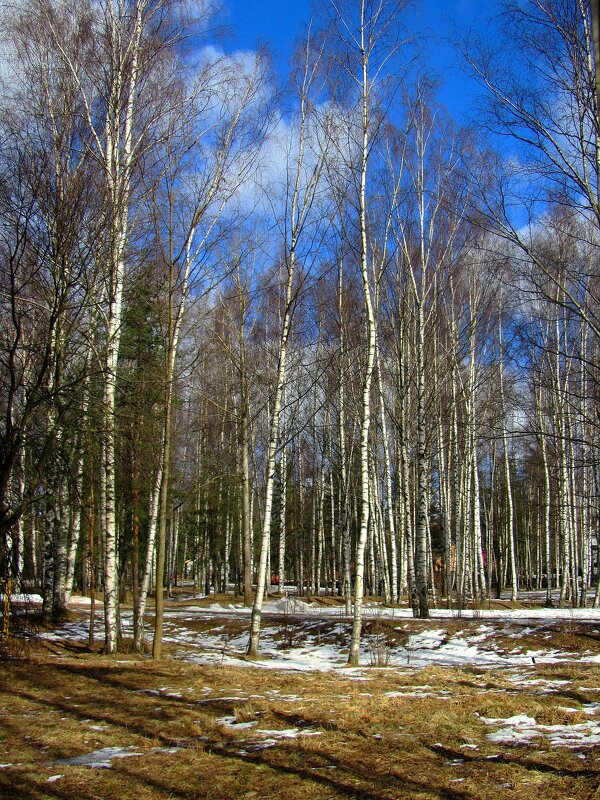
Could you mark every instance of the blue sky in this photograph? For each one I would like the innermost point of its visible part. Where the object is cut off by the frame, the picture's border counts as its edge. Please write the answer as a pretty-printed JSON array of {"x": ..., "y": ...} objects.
[{"x": 279, "y": 22}]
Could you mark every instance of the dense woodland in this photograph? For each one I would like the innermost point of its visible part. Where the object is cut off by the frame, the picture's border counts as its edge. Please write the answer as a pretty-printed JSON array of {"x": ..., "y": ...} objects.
[{"x": 317, "y": 335}]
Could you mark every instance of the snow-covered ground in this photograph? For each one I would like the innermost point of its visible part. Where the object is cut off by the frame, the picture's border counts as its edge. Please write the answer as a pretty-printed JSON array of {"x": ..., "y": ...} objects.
[{"x": 310, "y": 637}]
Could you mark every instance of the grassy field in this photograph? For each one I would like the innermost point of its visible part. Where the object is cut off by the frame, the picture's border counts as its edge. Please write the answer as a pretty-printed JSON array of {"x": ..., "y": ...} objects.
[{"x": 223, "y": 732}]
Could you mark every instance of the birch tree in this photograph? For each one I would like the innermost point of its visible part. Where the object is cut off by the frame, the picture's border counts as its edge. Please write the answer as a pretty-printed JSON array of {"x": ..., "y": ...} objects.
[
  {"x": 305, "y": 166},
  {"x": 365, "y": 40}
]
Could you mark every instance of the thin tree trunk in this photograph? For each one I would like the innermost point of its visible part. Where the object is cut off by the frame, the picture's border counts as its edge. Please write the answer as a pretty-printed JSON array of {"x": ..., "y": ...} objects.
[
  {"x": 282, "y": 514},
  {"x": 371, "y": 334},
  {"x": 507, "y": 477},
  {"x": 301, "y": 201}
]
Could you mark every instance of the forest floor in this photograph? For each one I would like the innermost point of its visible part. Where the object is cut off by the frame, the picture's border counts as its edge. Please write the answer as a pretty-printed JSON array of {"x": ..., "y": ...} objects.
[{"x": 502, "y": 702}]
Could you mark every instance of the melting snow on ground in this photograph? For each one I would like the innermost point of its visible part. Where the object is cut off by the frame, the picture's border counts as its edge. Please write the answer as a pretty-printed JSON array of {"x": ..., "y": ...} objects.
[
  {"x": 310, "y": 650},
  {"x": 101, "y": 759},
  {"x": 231, "y": 722},
  {"x": 521, "y": 729}
]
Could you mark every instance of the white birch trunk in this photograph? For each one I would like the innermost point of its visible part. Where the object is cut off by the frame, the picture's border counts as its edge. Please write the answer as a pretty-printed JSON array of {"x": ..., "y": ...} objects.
[
  {"x": 140, "y": 612},
  {"x": 370, "y": 330},
  {"x": 272, "y": 452},
  {"x": 118, "y": 159}
]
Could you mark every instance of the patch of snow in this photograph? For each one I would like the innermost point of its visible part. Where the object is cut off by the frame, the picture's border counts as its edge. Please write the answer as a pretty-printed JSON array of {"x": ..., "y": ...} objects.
[
  {"x": 53, "y": 778},
  {"x": 428, "y": 640},
  {"x": 290, "y": 605},
  {"x": 101, "y": 759},
  {"x": 521, "y": 729},
  {"x": 290, "y": 733},
  {"x": 314, "y": 658},
  {"x": 236, "y": 608},
  {"x": 31, "y": 599},
  {"x": 231, "y": 722},
  {"x": 512, "y": 735}
]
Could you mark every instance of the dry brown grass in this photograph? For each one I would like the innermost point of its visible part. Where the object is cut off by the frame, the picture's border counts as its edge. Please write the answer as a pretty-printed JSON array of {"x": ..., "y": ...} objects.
[{"x": 399, "y": 734}]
